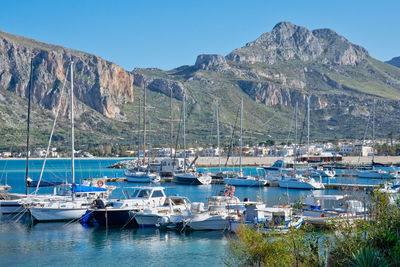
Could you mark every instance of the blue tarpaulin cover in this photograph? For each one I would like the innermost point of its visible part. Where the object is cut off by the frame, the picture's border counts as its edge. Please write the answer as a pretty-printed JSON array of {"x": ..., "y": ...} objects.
[{"x": 84, "y": 188}]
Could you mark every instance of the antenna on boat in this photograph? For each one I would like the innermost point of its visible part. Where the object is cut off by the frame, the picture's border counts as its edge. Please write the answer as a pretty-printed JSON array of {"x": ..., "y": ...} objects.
[
  {"x": 28, "y": 128},
  {"x": 72, "y": 132}
]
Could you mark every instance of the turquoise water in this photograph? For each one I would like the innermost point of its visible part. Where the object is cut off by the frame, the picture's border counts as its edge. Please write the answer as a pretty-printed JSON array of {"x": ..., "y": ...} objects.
[{"x": 74, "y": 245}]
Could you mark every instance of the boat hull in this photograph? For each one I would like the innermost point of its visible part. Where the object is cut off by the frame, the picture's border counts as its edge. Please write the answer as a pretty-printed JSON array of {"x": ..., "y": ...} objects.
[
  {"x": 57, "y": 214},
  {"x": 109, "y": 217},
  {"x": 147, "y": 220},
  {"x": 244, "y": 182},
  {"x": 299, "y": 185},
  {"x": 11, "y": 207},
  {"x": 211, "y": 223},
  {"x": 191, "y": 180}
]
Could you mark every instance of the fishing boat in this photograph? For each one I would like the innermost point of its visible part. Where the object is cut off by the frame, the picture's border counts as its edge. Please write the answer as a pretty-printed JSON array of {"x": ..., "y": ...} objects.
[{"x": 122, "y": 212}]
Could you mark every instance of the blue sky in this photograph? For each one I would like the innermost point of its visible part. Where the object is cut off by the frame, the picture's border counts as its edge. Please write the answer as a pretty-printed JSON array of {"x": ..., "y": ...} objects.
[{"x": 168, "y": 34}]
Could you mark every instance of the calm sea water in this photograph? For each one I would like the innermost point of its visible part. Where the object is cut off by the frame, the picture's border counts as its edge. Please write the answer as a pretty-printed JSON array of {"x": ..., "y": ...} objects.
[{"x": 74, "y": 245}]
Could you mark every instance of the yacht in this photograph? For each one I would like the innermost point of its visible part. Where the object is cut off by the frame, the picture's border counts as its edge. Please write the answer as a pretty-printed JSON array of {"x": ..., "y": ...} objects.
[{"x": 300, "y": 182}]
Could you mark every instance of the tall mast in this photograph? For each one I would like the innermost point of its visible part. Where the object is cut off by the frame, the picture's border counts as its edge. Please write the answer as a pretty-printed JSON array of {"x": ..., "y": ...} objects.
[
  {"x": 373, "y": 133},
  {"x": 170, "y": 122},
  {"x": 72, "y": 132},
  {"x": 219, "y": 152},
  {"x": 241, "y": 136},
  {"x": 144, "y": 123},
  {"x": 28, "y": 129},
  {"x": 138, "y": 128},
  {"x": 295, "y": 139},
  {"x": 184, "y": 131},
  {"x": 308, "y": 132}
]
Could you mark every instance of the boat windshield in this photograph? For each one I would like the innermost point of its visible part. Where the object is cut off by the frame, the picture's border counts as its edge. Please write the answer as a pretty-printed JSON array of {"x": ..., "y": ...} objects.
[{"x": 144, "y": 193}]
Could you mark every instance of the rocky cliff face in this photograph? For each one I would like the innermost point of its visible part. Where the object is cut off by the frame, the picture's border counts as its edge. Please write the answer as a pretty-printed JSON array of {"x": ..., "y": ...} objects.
[
  {"x": 99, "y": 84},
  {"x": 394, "y": 61},
  {"x": 288, "y": 41}
]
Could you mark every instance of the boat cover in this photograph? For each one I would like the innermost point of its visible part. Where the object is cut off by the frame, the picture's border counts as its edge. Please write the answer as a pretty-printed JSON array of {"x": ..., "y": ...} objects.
[{"x": 83, "y": 188}]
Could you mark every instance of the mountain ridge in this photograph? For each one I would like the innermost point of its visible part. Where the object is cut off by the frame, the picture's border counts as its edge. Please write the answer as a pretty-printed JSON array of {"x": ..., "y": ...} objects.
[{"x": 281, "y": 67}]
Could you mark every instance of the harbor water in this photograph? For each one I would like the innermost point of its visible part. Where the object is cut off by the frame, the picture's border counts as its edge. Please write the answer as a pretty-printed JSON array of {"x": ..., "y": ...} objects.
[{"x": 75, "y": 245}]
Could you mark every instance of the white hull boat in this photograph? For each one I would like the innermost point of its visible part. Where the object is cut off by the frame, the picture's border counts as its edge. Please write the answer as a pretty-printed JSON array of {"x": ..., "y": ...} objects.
[
  {"x": 300, "y": 183},
  {"x": 208, "y": 221},
  {"x": 142, "y": 177},
  {"x": 59, "y": 211},
  {"x": 374, "y": 174}
]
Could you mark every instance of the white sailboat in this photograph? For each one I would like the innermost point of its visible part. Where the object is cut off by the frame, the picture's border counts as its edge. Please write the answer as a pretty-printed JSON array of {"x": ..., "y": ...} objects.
[
  {"x": 240, "y": 179},
  {"x": 142, "y": 174},
  {"x": 189, "y": 177},
  {"x": 68, "y": 207},
  {"x": 374, "y": 173},
  {"x": 294, "y": 180}
]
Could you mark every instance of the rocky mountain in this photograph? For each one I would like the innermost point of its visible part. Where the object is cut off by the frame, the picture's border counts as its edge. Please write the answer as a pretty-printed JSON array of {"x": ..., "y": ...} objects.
[
  {"x": 279, "y": 69},
  {"x": 394, "y": 61},
  {"x": 99, "y": 84}
]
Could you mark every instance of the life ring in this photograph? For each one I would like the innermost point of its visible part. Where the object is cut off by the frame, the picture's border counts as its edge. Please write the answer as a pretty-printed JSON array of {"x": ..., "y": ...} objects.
[
  {"x": 200, "y": 174},
  {"x": 100, "y": 183}
]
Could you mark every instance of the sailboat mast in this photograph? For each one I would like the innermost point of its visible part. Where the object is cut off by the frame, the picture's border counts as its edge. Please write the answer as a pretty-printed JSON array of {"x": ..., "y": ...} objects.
[
  {"x": 373, "y": 133},
  {"x": 184, "y": 131},
  {"x": 170, "y": 122},
  {"x": 144, "y": 123},
  {"x": 28, "y": 129},
  {"x": 219, "y": 152},
  {"x": 295, "y": 139},
  {"x": 308, "y": 132},
  {"x": 241, "y": 136},
  {"x": 72, "y": 132},
  {"x": 138, "y": 128}
]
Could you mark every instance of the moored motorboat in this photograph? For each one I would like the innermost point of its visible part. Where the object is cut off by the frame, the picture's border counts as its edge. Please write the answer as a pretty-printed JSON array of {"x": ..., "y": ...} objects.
[
  {"x": 142, "y": 177},
  {"x": 267, "y": 219},
  {"x": 121, "y": 212},
  {"x": 192, "y": 178},
  {"x": 300, "y": 182}
]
